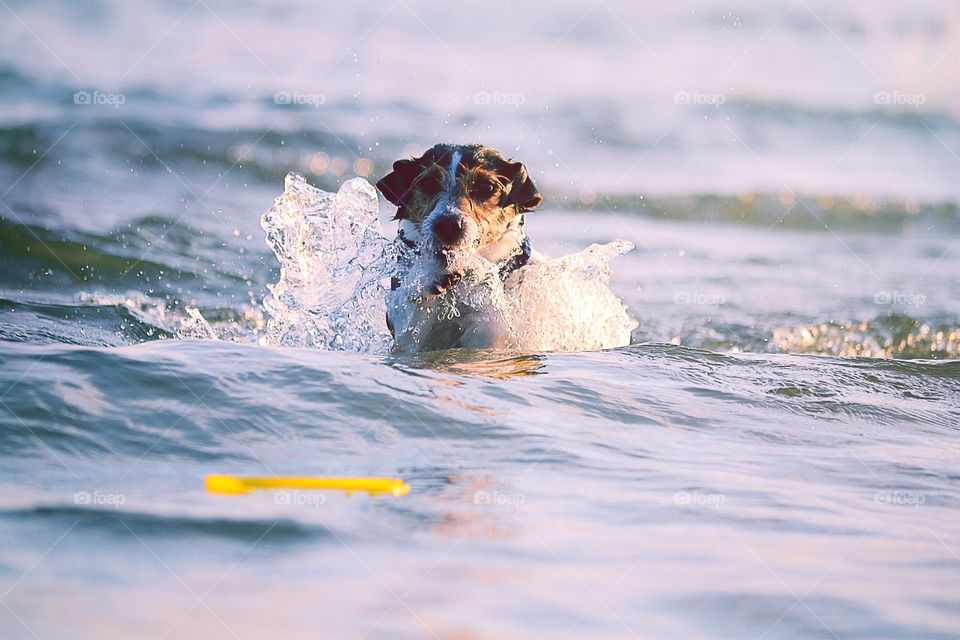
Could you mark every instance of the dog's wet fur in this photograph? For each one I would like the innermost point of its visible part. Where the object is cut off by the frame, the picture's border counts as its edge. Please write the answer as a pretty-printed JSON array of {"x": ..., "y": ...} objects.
[{"x": 451, "y": 201}]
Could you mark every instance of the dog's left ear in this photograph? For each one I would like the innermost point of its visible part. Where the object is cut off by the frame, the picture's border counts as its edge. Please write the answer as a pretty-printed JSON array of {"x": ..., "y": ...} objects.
[
  {"x": 523, "y": 193},
  {"x": 395, "y": 186}
]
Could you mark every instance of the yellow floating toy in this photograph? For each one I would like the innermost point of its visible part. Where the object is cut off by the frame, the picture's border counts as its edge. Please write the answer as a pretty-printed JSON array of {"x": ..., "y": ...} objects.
[{"x": 239, "y": 484}]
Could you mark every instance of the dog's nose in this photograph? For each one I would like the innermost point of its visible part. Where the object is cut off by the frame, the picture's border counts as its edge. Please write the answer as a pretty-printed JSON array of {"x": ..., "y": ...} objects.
[{"x": 448, "y": 229}]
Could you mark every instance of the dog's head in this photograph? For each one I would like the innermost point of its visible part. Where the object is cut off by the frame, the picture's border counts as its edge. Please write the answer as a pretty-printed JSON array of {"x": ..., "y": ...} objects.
[{"x": 456, "y": 199}]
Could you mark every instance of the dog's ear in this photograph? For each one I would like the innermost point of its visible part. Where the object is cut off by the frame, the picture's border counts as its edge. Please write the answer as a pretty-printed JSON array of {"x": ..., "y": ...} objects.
[
  {"x": 395, "y": 186},
  {"x": 523, "y": 193}
]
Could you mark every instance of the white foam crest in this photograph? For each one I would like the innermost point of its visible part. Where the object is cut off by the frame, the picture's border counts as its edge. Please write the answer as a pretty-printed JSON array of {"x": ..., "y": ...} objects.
[{"x": 335, "y": 267}]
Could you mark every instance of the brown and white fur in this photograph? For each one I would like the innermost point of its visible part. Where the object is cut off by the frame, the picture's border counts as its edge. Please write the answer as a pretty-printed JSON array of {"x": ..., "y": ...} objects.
[{"x": 454, "y": 201}]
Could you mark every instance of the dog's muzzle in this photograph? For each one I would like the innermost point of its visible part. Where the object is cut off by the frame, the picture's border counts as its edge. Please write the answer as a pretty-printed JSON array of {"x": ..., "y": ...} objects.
[{"x": 449, "y": 231}]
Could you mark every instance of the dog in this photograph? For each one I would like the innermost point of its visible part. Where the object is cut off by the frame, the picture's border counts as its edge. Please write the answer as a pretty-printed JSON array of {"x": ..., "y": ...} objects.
[{"x": 460, "y": 210}]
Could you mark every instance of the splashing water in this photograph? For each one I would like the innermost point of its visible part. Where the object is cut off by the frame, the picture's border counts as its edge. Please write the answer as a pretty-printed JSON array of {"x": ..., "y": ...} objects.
[
  {"x": 567, "y": 305},
  {"x": 333, "y": 258},
  {"x": 335, "y": 266}
]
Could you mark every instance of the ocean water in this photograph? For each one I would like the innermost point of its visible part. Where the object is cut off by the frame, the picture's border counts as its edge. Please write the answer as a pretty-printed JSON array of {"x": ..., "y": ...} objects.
[{"x": 774, "y": 456}]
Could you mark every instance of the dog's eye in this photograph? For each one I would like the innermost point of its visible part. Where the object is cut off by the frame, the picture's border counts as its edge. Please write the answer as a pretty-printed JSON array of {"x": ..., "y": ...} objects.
[
  {"x": 484, "y": 190},
  {"x": 429, "y": 184}
]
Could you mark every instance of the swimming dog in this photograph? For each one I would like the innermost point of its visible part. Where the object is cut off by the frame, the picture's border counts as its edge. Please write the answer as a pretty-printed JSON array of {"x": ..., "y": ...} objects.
[{"x": 456, "y": 205}]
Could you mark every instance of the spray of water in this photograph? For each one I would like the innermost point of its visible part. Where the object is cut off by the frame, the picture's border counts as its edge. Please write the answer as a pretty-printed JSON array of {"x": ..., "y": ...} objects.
[
  {"x": 333, "y": 260},
  {"x": 335, "y": 267}
]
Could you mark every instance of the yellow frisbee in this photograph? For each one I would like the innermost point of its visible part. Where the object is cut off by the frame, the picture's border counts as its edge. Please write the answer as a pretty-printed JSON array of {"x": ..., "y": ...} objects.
[{"x": 241, "y": 484}]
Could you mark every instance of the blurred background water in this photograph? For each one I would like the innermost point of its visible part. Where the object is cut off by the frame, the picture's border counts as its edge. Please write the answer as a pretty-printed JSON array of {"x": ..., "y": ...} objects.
[{"x": 775, "y": 457}]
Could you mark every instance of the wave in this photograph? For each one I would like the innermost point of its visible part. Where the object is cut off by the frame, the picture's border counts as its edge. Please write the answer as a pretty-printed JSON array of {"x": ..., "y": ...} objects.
[
  {"x": 785, "y": 210},
  {"x": 122, "y": 521},
  {"x": 896, "y": 336},
  {"x": 840, "y": 388},
  {"x": 907, "y": 118},
  {"x": 893, "y": 336},
  {"x": 134, "y": 283},
  {"x": 90, "y": 321},
  {"x": 118, "y": 258}
]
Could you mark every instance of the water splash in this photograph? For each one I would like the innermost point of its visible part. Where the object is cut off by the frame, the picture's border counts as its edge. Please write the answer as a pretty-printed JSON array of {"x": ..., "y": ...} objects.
[
  {"x": 335, "y": 266},
  {"x": 566, "y": 304},
  {"x": 150, "y": 311},
  {"x": 333, "y": 258},
  {"x": 160, "y": 319}
]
